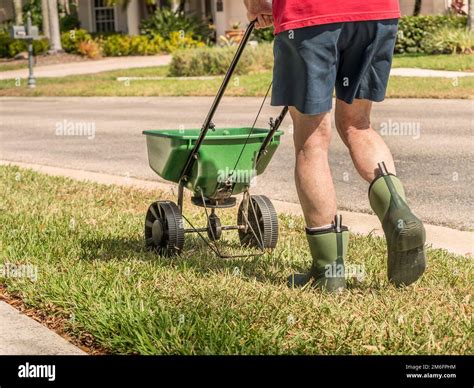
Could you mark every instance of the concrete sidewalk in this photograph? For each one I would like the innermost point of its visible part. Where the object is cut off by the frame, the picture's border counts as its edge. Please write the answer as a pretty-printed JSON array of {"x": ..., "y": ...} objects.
[
  {"x": 453, "y": 240},
  {"x": 117, "y": 63},
  {"x": 415, "y": 72},
  {"x": 22, "y": 335},
  {"x": 89, "y": 67}
]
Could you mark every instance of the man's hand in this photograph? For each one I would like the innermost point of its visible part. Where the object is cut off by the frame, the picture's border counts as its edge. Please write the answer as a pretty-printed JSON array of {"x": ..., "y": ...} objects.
[{"x": 260, "y": 10}]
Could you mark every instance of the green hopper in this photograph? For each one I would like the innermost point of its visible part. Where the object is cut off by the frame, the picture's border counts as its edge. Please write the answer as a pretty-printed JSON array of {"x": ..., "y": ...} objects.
[{"x": 215, "y": 164}]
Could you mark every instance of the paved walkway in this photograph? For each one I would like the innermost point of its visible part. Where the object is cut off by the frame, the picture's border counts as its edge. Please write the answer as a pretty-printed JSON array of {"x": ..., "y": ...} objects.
[
  {"x": 117, "y": 63},
  {"x": 22, "y": 335},
  {"x": 89, "y": 67},
  {"x": 412, "y": 72}
]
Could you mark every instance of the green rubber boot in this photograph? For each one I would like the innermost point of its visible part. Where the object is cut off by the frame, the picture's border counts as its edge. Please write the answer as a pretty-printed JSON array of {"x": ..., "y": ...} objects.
[
  {"x": 404, "y": 232},
  {"x": 328, "y": 250}
]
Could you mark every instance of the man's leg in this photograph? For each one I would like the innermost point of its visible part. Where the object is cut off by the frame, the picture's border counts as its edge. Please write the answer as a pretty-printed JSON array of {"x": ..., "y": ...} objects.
[
  {"x": 312, "y": 136},
  {"x": 327, "y": 241},
  {"x": 366, "y": 146},
  {"x": 404, "y": 232}
]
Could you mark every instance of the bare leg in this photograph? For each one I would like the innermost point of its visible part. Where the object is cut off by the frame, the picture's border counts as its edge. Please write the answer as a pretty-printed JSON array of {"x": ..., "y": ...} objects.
[
  {"x": 366, "y": 146},
  {"x": 312, "y": 136}
]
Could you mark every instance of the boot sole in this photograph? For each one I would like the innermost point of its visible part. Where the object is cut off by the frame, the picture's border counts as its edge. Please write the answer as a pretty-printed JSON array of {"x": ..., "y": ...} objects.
[{"x": 407, "y": 258}]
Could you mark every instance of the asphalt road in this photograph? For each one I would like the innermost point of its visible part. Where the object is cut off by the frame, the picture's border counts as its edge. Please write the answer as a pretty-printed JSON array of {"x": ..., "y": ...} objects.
[{"x": 432, "y": 142}]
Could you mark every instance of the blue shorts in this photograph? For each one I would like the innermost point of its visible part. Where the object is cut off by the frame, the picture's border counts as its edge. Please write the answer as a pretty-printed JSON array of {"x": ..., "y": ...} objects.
[{"x": 353, "y": 57}]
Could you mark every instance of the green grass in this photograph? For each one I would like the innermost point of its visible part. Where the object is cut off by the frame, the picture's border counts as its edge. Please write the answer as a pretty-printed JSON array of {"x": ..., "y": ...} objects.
[
  {"x": 86, "y": 240},
  {"x": 435, "y": 62},
  {"x": 106, "y": 84},
  {"x": 6, "y": 66}
]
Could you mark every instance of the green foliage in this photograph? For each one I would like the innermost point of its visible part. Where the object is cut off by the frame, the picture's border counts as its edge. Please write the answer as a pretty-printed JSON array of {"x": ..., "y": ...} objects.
[
  {"x": 413, "y": 30},
  {"x": 67, "y": 22},
  {"x": 116, "y": 45},
  {"x": 9, "y": 47},
  {"x": 449, "y": 41},
  {"x": 70, "y": 40},
  {"x": 264, "y": 34},
  {"x": 215, "y": 61},
  {"x": 178, "y": 40},
  {"x": 122, "y": 45},
  {"x": 165, "y": 22},
  {"x": 33, "y": 6},
  {"x": 131, "y": 301}
]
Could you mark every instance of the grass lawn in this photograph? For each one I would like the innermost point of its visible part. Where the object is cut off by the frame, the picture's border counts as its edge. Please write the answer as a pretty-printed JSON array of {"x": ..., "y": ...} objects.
[
  {"x": 7, "y": 66},
  {"x": 422, "y": 61},
  {"x": 86, "y": 240},
  {"x": 106, "y": 84},
  {"x": 435, "y": 62}
]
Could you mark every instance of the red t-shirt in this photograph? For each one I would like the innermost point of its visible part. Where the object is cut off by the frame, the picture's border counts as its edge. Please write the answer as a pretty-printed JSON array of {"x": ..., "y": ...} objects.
[{"x": 292, "y": 14}]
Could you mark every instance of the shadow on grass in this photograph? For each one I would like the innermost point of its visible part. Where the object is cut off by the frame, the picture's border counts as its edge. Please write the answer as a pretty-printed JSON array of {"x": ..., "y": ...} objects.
[
  {"x": 268, "y": 268},
  {"x": 196, "y": 256}
]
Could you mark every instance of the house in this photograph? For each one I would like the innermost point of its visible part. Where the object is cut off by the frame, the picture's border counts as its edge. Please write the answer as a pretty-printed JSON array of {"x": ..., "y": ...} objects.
[{"x": 98, "y": 16}]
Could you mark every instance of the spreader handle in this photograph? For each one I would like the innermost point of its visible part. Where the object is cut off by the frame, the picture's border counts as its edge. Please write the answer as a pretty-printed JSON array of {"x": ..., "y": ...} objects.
[
  {"x": 274, "y": 127},
  {"x": 217, "y": 100}
]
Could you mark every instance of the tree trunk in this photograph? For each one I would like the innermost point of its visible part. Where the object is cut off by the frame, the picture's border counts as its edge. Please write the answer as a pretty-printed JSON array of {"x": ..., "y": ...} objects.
[
  {"x": 45, "y": 17},
  {"x": 417, "y": 8},
  {"x": 54, "y": 26},
  {"x": 18, "y": 10},
  {"x": 470, "y": 17}
]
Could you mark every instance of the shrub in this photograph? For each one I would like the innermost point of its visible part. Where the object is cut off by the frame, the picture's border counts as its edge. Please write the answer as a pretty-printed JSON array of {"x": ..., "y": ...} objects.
[
  {"x": 166, "y": 23},
  {"x": 142, "y": 45},
  {"x": 70, "y": 40},
  {"x": 264, "y": 35},
  {"x": 69, "y": 22},
  {"x": 215, "y": 61},
  {"x": 40, "y": 46},
  {"x": 117, "y": 45},
  {"x": 177, "y": 41},
  {"x": 9, "y": 47},
  {"x": 412, "y": 30},
  {"x": 90, "y": 49},
  {"x": 449, "y": 41}
]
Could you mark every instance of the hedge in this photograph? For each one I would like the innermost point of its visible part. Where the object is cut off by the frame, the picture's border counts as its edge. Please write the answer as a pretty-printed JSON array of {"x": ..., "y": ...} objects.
[
  {"x": 9, "y": 47},
  {"x": 412, "y": 31},
  {"x": 215, "y": 61}
]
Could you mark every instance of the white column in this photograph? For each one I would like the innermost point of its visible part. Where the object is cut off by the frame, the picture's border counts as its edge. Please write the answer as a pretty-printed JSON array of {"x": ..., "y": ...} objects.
[
  {"x": 220, "y": 18},
  {"x": 133, "y": 17}
]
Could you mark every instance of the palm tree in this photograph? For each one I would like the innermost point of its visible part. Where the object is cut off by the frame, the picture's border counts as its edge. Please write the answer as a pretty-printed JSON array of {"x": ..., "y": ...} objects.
[
  {"x": 470, "y": 17},
  {"x": 54, "y": 26},
  {"x": 45, "y": 18},
  {"x": 417, "y": 8},
  {"x": 18, "y": 9}
]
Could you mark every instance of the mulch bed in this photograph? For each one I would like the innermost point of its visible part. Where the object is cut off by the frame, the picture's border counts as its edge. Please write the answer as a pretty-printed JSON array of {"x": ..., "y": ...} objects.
[
  {"x": 54, "y": 319},
  {"x": 46, "y": 59}
]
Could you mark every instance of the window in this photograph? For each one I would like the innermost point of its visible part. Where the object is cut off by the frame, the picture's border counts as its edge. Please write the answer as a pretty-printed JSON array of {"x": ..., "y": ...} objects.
[{"x": 104, "y": 16}]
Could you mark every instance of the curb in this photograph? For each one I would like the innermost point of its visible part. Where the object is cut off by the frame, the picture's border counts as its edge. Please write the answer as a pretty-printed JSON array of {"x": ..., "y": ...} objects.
[
  {"x": 452, "y": 240},
  {"x": 22, "y": 335}
]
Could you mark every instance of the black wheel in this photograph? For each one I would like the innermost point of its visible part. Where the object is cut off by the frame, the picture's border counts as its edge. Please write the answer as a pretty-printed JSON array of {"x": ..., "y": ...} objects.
[
  {"x": 164, "y": 230},
  {"x": 214, "y": 230},
  {"x": 262, "y": 219}
]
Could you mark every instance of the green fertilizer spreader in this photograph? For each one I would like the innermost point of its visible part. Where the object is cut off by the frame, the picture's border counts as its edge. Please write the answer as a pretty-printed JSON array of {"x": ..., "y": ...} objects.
[{"x": 215, "y": 164}]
